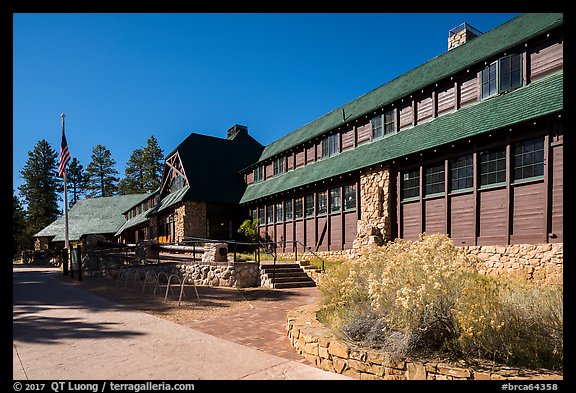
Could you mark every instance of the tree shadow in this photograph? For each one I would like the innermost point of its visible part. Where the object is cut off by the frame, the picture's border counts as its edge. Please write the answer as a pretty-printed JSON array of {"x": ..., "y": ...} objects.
[{"x": 36, "y": 292}]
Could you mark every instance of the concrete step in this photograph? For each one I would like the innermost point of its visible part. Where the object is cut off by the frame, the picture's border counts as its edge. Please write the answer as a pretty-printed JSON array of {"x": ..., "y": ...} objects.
[
  {"x": 295, "y": 284},
  {"x": 278, "y": 280},
  {"x": 286, "y": 274}
]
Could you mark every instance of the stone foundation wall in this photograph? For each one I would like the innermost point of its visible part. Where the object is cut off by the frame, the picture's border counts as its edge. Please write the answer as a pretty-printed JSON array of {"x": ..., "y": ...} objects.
[
  {"x": 190, "y": 220},
  {"x": 239, "y": 274},
  {"x": 321, "y": 348},
  {"x": 541, "y": 262}
]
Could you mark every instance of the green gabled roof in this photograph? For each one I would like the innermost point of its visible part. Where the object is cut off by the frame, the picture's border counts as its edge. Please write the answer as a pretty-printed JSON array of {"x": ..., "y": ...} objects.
[
  {"x": 92, "y": 216},
  {"x": 169, "y": 200},
  {"x": 540, "y": 98},
  {"x": 491, "y": 43},
  {"x": 134, "y": 221},
  {"x": 212, "y": 165}
]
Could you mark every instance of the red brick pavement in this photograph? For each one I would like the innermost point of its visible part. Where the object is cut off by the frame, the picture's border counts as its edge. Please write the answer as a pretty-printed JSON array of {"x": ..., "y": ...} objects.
[{"x": 263, "y": 326}]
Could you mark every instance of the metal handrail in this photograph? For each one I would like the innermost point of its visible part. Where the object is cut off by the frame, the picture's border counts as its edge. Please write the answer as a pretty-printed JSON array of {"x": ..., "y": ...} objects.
[{"x": 311, "y": 252}]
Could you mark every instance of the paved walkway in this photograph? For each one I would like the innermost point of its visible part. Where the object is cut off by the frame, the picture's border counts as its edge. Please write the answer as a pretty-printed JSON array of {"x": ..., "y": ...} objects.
[
  {"x": 63, "y": 333},
  {"x": 263, "y": 326}
]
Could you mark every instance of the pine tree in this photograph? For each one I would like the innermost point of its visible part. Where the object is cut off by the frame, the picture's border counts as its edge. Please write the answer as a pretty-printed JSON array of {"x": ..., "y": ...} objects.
[
  {"x": 21, "y": 237},
  {"x": 101, "y": 174},
  {"x": 132, "y": 183},
  {"x": 41, "y": 187},
  {"x": 153, "y": 157},
  {"x": 76, "y": 181},
  {"x": 143, "y": 170}
]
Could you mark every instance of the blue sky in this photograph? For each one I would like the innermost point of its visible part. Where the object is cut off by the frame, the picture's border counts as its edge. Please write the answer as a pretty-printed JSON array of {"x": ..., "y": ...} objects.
[{"x": 120, "y": 78}]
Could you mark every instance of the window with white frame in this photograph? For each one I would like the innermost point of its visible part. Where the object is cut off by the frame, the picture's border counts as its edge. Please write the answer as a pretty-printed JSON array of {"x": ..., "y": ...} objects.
[
  {"x": 502, "y": 75},
  {"x": 330, "y": 145}
]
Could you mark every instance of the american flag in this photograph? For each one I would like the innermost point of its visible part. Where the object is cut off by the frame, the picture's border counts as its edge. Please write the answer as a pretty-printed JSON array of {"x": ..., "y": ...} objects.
[{"x": 64, "y": 155}]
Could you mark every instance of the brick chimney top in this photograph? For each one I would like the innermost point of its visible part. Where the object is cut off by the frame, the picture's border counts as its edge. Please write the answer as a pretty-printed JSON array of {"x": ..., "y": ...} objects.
[
  {"x": 234, "y": 130},
  {"x": 461, "y": 34}
]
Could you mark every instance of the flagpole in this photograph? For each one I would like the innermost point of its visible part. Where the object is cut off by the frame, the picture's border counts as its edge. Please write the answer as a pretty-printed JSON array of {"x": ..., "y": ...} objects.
[{"x": 66, "y": 241}]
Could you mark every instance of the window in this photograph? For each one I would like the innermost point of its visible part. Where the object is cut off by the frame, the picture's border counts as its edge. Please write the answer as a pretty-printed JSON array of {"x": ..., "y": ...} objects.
[
  {"x": 254, "y": 214},
  {"x": 288, "y": 211},
  {"x": 335, "y": 200},
  {"x": 493, "y": 166},
  {"x": 321, "y": 203},
  {"x": 510, "y": 72},
  {"x": 278, "y": 212},
  {"x": 377, "y": 127},
  {"x": 330, "y": 145},
  {"x": 258, "y": 174},
  {"x": 261, "y": 216},
  {"x": 350, "y": 197},
  {"x": 462, "y": 173},
  {"x": 389, "y": 123},
  {"x": 502, "y": 75},
  {"x": 270, "y": 214},
  {"x": 309, "y": 205},
  {"x": 489, "y": 81},
  {"x": 434, "y": 179},
  {"x": 298, "y": 211},
  {"x": 279, "y": 166},
  {"x": 411, "y": 184},
  {"x": 383, "y": 125},
  {"x": 529, "y": 159}
]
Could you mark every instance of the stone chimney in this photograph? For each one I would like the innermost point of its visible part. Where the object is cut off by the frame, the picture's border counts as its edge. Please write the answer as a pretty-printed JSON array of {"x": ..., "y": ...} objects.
[
  {"x": 461, "y": 34},
  {"x": 234, "y": 130}
]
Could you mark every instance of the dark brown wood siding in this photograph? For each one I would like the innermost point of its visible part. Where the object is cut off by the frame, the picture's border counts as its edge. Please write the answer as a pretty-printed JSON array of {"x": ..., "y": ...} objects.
[
  {"x": 279, "y": 232},
  {"x": 424, "y": 109},
  {"x": 493, "y": 217},
  {"x": 289, "y": 235},
  {"x": 322, "y": 240},
  {"x": 462, "y": 219},
  {"x": 546, "y": 57},
  {"x": 364, "y": 133},
  {"x": 434, "y": 215},
  {"x": 350, "y": 225},
  {"x": 310, "y": 153},
  {"x": 250, "y": 177},
  {"x": 335, "y": 232},
  {"x": 445, "y": 99},
  {"x": 469, "y": 90},
  {"x": 557, "y": 199},
  {"x": 269, "y": 170},
  {"x": 299, "y": 235},
  {"x": 348, "y": 139},
  {"x": 300, "y": 157},
  {"x": 411, "y": 220},
  {"x": 310, "y": 237},
  {"x": 290, "y": 162},
  {"x": 406, "y": 116},
  {"x": 528, "y": 213},
  {"x": 319, "y": 150}
]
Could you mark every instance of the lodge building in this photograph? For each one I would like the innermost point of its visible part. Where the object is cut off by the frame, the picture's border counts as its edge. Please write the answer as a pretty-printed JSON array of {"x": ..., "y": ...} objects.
[{"x": 469, "y": 144}]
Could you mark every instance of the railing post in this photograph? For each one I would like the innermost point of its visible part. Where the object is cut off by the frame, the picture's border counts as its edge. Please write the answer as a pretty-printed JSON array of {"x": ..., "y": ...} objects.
[
  {"x": 79, "y": 259},
  {"x": 295, "y": 250},
  {"x": 234, "y": 250},
  {"x": 65, "y": 261}
]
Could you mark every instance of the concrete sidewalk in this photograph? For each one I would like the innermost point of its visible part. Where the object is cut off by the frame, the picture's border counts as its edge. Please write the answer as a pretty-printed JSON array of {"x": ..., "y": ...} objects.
[{"x": 63, "y": 333}]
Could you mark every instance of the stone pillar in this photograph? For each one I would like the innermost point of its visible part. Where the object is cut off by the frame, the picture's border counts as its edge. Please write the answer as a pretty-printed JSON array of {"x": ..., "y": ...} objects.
[
  {"x": 215, "y": 252},
  {"x": 41, "y": 243},
  {"x": 376, "y": 204},
  {"x": 153, "y": 227}
]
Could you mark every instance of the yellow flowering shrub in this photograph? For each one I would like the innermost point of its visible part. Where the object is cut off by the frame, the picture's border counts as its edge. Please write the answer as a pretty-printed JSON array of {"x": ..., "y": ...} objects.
[{"x": 425, "y": 297}]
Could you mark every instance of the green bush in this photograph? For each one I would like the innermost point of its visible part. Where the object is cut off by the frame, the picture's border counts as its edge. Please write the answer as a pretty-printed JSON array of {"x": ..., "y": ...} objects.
[{"x": 424, "y": 299}]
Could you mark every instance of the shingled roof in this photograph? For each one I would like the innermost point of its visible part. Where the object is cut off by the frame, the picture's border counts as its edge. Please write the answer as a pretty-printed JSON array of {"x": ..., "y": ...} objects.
[
  {"x": 489, "y": 44},
  {"x": 93, "y": 216},
  {"x": 540, "y": 98},
  {"x": 212, "y": 168}
]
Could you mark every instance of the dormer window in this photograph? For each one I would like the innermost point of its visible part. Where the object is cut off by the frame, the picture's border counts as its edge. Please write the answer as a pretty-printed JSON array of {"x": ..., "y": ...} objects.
[
  {"x": 383, "y": 125},
  {"x": 258, "y": 174},
  {"x": 330, "y": 145},
  {"x": 502, "y": 75},
  {"x": 279, "y": 166}
]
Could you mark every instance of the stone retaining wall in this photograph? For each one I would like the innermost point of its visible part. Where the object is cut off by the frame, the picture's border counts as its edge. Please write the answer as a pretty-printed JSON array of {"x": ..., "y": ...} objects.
[
  {"x": 541, "y": 262},
  {"x": 235, "y": 274},
  {"x": 314, "y": 341}
]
